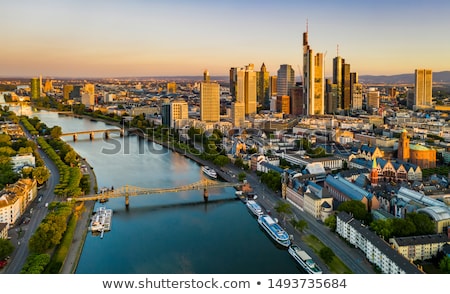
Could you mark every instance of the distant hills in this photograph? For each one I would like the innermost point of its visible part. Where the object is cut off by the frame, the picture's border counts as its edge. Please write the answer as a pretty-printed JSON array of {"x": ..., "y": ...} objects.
[
  {"x": 442, "y": 77},
  {"x": 438, "y": 77}
]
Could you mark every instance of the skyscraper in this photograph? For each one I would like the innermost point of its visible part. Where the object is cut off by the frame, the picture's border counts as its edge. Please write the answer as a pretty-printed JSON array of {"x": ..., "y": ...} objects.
[
  {"x": 297, "y": 105},
  {"x": 356, "y": 92},
  {"x": 209, "y": 100},
  {"x": 48, "y": 86},
  {"x": 373, "y": 99},
  {"x": 313, "y": 79},
  {"x": 423, "y": 88},
  {"x": 337, "y": 80},
  {"x": 35, "y": 88},
  {"x": 263, "y": 94},
  {"x": 346, "y": 87},
  {"x": 246, "y": 88},
  {"x": 285, "y": 79},
  {"x": 238, "y": 114}
]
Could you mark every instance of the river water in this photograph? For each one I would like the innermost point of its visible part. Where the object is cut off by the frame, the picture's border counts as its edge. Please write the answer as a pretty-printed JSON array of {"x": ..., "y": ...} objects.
[{"x": 171, "y": 233}]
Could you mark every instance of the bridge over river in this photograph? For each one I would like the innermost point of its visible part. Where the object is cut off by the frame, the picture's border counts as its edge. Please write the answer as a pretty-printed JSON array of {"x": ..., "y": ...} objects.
[
  {"x": 132, "y": 191},
  {"x": 92, "y": 133}
]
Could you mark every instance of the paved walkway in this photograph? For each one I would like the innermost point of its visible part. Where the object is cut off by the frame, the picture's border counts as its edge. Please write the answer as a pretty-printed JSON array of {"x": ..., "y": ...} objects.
[{"x": 73, "y": 255}]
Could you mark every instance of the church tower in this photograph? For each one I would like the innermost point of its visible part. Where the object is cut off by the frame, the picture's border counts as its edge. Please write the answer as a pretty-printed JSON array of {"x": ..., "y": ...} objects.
[
  {"x": 374, "y": 173},
  {"x": 403, "y": 147}
]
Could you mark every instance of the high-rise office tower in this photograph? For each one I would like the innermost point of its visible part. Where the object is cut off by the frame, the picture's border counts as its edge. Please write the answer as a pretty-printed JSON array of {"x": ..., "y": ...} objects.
[
  {"x": 67, "y": 89},
  {"x": 283, "y": 104},
  {"x": 171, "y": 88},
  {"x": 35, "y": 88},
  {"x": 89, "y": 88},
  {"x": 338, "y": 63},
  {"x": 273, "y": 86},
  {"x": 263, "y": 94},
  {"x": 313, "y": 79},
  {"x": 209, "y": 101},
  {"x": 373, "y": 99},
  {"x": 233, "y": 81},
  {"x": 423, "y": 88},
  {"x": 285, "y": 79},
  {"x": 238, "y": 114},
  {"x": 331, "y": 101},
  {"x": 48, "y": 86},
  {"x": 297, "y": 104},
  {"x": 356, "y": 92},
  {"x": 178, "y": 111},
  {"x": 246, "y": 88},
  {"x": 346, "y": 87}
]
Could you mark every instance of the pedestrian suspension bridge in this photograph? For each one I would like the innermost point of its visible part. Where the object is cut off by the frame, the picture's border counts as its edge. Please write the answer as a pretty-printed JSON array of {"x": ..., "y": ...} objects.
[{"x": 132, "y": 191}]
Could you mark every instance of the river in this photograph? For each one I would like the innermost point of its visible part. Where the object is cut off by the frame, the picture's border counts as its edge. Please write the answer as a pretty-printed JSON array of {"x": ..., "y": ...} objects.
[{"x": 171, "y": 233}]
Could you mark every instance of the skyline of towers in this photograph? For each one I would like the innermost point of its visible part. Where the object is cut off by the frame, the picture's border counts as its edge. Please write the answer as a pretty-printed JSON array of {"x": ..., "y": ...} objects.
[{"x": 423, "y": 88}]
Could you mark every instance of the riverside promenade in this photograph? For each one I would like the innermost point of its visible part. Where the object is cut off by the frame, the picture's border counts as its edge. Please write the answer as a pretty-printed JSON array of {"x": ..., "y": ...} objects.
[{"x": 74, "y": 252}]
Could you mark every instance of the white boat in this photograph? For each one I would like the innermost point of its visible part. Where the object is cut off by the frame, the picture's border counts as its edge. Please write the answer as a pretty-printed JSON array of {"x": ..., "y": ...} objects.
[
  {"x": 254, "y": 207},
  {"x": 274, "y": 230},
  {"x": 304, "y": 260},
  {"x": 209, "y": 171},
  {"x": 101, "y": 220}
]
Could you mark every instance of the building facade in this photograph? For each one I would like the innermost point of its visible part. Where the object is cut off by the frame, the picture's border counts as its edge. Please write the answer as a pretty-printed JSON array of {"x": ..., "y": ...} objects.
[
  {"x": 423, "y": 88},
  {"x": 209, "y": 101}
]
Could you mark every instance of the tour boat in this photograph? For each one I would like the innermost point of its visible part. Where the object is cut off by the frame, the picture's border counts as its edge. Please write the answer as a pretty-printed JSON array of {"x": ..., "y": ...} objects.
[
  {"x": 254, "y": 207},
  {"x": 274, "y": 230},
  {"x": 304, "y": 260},
  {"x": 209, "y": 171}
]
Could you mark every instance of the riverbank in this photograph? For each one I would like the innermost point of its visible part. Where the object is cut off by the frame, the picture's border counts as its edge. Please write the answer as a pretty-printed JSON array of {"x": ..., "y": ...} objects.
[{"x": 81, "y": 230}]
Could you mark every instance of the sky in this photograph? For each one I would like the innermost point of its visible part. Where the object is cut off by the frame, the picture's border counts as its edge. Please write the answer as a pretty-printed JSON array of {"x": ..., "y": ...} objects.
[{"x": 118, "y": 38}]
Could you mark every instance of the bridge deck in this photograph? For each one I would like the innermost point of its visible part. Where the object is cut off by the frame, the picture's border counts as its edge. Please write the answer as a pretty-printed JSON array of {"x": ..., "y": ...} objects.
[
  {"x": 139, "y": 191},
  {"x": 89, "y": 132}
]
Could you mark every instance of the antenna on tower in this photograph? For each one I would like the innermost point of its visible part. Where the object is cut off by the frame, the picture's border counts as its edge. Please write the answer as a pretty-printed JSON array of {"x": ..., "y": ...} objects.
[
  {"x": 306, "y": 25},
  {"x": 337, "y": 50}
]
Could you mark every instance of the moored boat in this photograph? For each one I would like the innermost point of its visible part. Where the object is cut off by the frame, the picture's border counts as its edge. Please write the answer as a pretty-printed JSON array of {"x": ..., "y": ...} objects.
[
  {"x": 254, "y": 207},
  {"x": 209, "y": 171},
  {"x": 302, "y": 258},
  {"x": 101, "y": 220},
  {"x": 274, "y": 230}
]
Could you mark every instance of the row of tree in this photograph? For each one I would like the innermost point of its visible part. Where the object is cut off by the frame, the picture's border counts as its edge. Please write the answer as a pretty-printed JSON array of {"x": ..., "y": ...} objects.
[{"x": 66, "y": 159}]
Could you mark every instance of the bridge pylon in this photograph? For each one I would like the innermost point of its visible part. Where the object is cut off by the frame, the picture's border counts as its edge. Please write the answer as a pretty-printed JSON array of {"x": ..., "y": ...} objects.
[{"x": 127, "y": 197}]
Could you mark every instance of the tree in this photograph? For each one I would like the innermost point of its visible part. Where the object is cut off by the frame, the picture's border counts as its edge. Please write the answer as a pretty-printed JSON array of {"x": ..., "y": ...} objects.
[
  {"x": 424, "y": 225},
  {"x": 357, "y": 209},
  {"x": 242, "y": 176},
  {"x": 239, "y": 162},
  {"x": 7, "y": 151},
  {"x": 41, "y": 174},
  {"x": 221, "y": 160},
  {"x": 71, "y": 158},
  {"x": 284, "y": 209},
  {"x": 444, "y": 265},
  {"x": 6, "y": 248},
  {"x": 299, "y": 225},
  {"x": 382, "y": 228},
  {"x": 25, "y": 150},
  {"x": 56, "y": 132},
  {"x": 331, "y": 222},
  {"x": 326, "y": 254}
]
